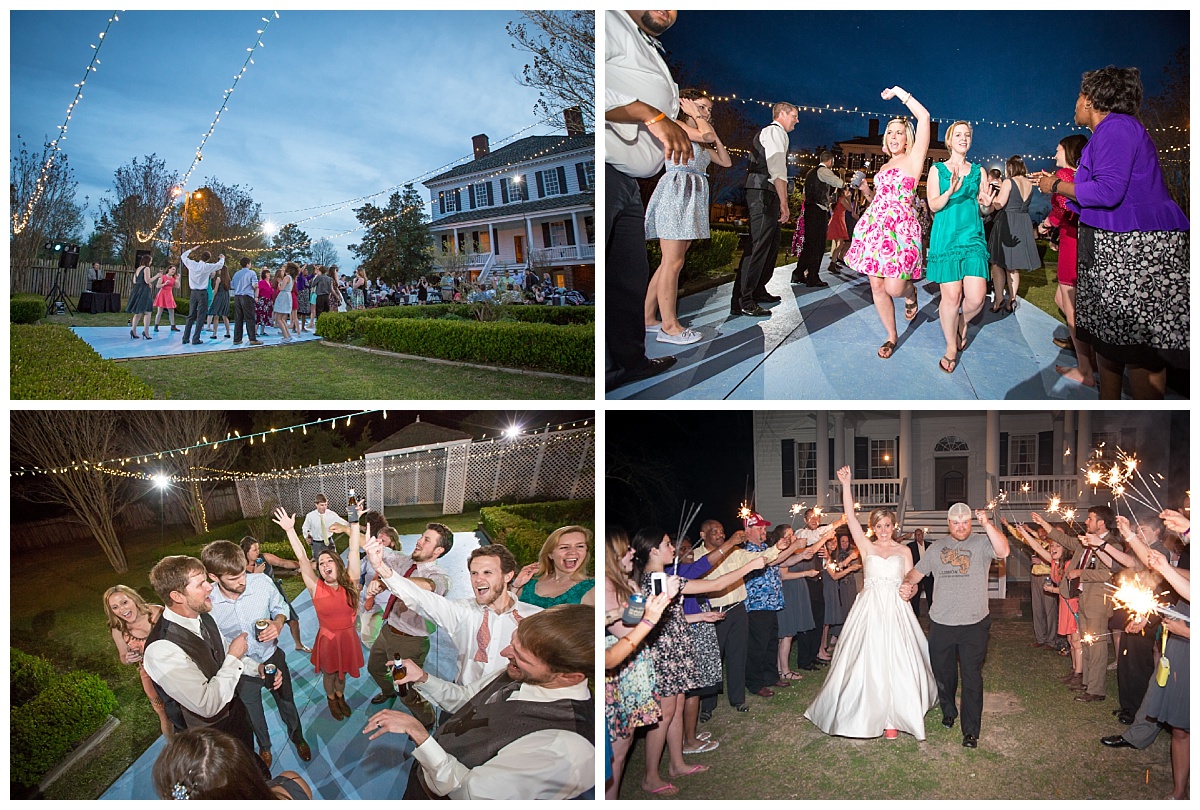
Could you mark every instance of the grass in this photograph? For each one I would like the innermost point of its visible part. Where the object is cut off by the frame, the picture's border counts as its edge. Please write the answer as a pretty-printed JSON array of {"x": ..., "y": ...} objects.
[
  {"x": 286, "y": 373},
  {"x": 1036, "y": 743},
  {"x": 56, "y": 612}
]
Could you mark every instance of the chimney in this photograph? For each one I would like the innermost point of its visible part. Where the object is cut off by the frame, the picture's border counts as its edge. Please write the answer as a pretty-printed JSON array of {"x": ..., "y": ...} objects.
[
  {"x": 573, "y": 118},
  {"x": 480, "y": 144},
  {"x": 933, "y": 133},
  {"x": 873, "y": 128}
]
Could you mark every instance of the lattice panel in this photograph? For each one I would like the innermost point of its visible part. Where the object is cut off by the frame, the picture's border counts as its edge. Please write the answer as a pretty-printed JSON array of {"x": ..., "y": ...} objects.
[
  {"x": 545, "y": 465},
  {"x": 420, "y": 479}
]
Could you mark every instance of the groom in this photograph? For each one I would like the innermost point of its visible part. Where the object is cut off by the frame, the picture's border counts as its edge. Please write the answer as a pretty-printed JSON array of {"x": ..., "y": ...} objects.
[{"x": 958, "y": 620}]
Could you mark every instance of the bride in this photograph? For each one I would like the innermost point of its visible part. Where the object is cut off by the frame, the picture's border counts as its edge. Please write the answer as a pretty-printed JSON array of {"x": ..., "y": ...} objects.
[{"x": 879, "y": 681}]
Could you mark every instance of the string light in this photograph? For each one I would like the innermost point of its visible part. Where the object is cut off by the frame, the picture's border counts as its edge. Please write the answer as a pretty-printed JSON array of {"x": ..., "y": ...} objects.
[
  {"x": 19, "y": 224},
  {"x": 258, "y": 43}
]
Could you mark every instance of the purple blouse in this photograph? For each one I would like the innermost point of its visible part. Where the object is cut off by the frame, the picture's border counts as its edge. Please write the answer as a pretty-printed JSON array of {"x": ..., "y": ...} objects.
[
  {"x": 692, "y": 570},
  {"x": 1119, "y": 184}
]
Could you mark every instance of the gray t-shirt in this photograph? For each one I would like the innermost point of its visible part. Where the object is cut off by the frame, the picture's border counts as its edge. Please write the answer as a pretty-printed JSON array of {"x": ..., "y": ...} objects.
[
  {"x": 960, "y": 573},
  {"x": 322, "y": 284}
]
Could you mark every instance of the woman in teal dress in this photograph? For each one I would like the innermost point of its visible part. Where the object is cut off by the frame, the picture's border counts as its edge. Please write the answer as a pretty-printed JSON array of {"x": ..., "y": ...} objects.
[
  {"x": 559, "y": 577},
  {"x": 958, "y": 254}
]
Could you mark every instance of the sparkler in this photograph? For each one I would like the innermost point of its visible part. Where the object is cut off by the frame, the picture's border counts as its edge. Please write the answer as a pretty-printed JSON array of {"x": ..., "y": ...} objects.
[
  {"x": 1140, "y": 600},
  {"x": 744, "y": 511},
  {"x": 796, "y": 509},
  {"x": 1089, "y": 639},
  {"x": 686, "y": 518}
]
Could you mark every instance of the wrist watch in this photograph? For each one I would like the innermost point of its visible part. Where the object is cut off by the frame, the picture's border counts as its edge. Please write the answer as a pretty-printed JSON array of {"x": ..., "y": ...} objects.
[{"x": 1054, "y": 185}]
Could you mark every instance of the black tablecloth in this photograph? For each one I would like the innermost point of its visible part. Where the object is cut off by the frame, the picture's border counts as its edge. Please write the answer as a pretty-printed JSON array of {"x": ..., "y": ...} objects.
[{"x": 99, "y": 302}]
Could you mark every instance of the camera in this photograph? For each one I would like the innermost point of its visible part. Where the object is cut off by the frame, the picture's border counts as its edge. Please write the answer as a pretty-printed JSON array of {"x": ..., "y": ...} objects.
[{"x": 856, "y": 181}]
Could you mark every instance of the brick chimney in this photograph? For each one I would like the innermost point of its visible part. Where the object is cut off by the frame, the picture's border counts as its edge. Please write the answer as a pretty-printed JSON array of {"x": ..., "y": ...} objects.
[
  {"x": 573, "y": 118},
  {"x": 480, "y": 144},
  {"x": 873, "y": 128}
]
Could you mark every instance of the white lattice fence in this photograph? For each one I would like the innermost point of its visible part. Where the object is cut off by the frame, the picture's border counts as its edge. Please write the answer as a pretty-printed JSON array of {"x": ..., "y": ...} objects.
[{"x": 552, "y": 465}]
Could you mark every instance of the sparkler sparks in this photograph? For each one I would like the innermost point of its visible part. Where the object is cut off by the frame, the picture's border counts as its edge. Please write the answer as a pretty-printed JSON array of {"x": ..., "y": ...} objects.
[{"x": 744, "y": 511}]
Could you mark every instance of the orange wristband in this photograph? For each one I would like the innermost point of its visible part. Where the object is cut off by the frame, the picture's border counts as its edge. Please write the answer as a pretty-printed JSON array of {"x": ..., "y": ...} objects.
[{"x": 656, "y": 118}]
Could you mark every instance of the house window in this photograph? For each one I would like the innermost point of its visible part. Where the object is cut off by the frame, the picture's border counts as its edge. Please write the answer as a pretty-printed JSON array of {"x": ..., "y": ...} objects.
[
  {"x": 589, "y": 170},
  {"x": 550, "y": 182},
  {"x": 450, "y": 197},
  {"x": 883, "y": 458},
  {"x": 589, "y": 224},
  {"x": 515, "y": 189},
  {"x": 558, "y": 234},
  {"x": 1022, "y": 455},
  {"x": 806, "y": 469},
  {"x": 480, "y": 192}
]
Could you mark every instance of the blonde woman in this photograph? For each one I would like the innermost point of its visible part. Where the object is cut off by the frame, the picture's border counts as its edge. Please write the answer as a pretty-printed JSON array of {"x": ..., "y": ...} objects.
[
  {"x": 130, "y": 619},
  {"x": 560, "y": 576}
]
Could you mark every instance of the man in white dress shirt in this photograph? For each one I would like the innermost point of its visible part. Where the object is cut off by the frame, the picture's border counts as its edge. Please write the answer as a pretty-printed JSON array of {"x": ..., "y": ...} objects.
[
  {"x": 524, "y": 732},
  {"x": 641, "y": 101},
  {"x": 187, "y": 658},
  {"x": 199, "y": 272},
  {"x": 318, "y": 526},
  {"x": 481, "y": 627}
]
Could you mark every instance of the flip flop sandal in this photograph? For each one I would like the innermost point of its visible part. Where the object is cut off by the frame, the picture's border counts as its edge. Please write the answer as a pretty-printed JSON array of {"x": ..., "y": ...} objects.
[
  {"x": 885, "y": 351},
  {"x": 952, "y": 361},
  {"x": 703, "y": 735},
  {"x": 705, "y": 747},
  {"x": 695, "y": 769},
  {"x": 793, "y": 676},
  {"x": 666, "y": 790},
  {"x": 910, "y": 310}
]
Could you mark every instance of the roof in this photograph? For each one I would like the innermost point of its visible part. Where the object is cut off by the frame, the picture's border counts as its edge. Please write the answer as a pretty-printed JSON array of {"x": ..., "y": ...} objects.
[
  {"x": 521, "y": 151},
  {"x": 497, "y": 212},
  {"x": 418, "y": 434}
]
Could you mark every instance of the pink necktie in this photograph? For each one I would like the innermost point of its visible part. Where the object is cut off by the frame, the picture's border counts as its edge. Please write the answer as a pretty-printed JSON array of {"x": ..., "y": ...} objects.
[
  {"x": 483, "y": 638},
  {"x": 387, "y": 611}
]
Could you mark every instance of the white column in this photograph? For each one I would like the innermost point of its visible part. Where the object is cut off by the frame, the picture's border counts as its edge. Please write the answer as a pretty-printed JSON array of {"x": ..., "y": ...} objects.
[
  {"x": 580, "y": 236},
  {"x": 822, "y": 457},
  {"x": 839, "y": 440},
  {"x": 992, "y": 455},
  {"x": 455, "y": 240},
  {"x": 905, "y": 451},
  {"x": 1082, "y": 455},
  {"x": 528, "y": 243},
  {"x": 1065, "y": 461}
]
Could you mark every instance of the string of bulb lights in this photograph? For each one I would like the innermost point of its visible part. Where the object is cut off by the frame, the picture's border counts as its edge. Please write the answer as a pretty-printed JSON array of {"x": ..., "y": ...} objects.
[
  {"x": 118, "y": 466},
  {"x": 258, "y": 43},
  {"x": 19, "y": 223}
]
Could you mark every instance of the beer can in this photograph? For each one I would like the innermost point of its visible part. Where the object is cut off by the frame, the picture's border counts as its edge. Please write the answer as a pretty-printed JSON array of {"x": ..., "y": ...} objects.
[
  {"x": 269, "y": 675},
  {"x": 260, "y": 627}
]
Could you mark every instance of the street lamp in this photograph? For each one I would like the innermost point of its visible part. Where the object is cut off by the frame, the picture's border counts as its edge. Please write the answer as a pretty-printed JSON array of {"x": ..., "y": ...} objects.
[{"x": 161, "y": 482}]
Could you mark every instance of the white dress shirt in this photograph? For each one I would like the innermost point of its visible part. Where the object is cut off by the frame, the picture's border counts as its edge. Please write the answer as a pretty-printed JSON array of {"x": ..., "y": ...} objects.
[
  {"x": 774, "y": 140},
  {"x": 171, "y": 668},
  {"x": 634, "y": 71},
  {"x": 401, "y": 618},
  {"x": 547, "y": 764},
  {"x": 313, "y": 522},
  {"x": 461, "y": 619},
  {"x": 200, "y": 272}
]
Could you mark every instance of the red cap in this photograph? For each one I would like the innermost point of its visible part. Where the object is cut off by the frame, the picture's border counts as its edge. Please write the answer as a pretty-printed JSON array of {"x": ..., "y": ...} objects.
[{"x": 756, "y": 519}]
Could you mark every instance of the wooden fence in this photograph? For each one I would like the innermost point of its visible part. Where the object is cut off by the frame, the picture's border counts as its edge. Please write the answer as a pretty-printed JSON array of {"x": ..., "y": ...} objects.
[{"x": 39, "y": 278}]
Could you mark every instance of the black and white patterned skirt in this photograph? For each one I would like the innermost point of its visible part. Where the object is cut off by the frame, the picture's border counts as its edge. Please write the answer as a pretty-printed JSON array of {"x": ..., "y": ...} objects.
[{"x": 1132, "y": 296}]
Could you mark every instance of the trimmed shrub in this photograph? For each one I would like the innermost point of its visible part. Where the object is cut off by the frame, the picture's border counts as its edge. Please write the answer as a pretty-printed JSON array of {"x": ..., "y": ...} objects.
[
  {"x": 704, "y": 257},
  {"x": 564, "y": 349},
  {"x": 48, "y": 361},
  {"x": 45, "y": 729},
  {"x": 523, "y": 528},
  {"x": 336, "y": 326},
  {"x": 26, "y": 308},
  {"x": 28, "y": 675}
]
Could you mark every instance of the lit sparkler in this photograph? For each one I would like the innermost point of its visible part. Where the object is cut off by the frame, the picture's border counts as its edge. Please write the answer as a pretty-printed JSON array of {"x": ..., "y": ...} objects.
[
  {"x": 744, "y": 511},
  {"x": 1140, "y": 600},
  {"x": 796, "y": 509},
  {"x": 1025, "y": 487}
]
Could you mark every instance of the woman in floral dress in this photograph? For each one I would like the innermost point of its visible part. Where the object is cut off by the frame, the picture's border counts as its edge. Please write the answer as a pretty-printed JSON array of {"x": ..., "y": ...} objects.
[{"x": 886, "y": 245}]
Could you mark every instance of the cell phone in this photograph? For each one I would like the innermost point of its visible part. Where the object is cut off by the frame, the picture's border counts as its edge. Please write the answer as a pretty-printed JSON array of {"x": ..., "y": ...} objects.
[
  {"x": 658, "y": 583},
  {"x": 995, "y": 187}
]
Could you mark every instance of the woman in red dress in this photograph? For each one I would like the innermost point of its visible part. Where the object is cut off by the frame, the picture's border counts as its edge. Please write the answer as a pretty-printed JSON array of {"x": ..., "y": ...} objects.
[
  {"x": 837, "y": 230},
  {"x": 337, "y": 652}
]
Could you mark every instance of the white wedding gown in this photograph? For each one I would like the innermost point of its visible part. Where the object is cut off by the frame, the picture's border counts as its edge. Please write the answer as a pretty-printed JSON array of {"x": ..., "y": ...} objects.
[{"x": 880, "y": 676}]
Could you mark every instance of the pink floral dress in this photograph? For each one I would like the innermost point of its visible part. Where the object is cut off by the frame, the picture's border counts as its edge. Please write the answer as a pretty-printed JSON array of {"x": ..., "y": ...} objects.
[{"x": 887, "y": 239}]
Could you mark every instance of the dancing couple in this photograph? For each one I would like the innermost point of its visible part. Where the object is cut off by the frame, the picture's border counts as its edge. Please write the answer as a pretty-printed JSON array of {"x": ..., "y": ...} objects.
[{"x": 884, "y": 676}]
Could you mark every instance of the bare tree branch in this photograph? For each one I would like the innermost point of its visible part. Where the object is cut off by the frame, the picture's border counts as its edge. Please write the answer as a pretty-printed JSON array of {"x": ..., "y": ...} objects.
[{"x": 563, "y": 44}]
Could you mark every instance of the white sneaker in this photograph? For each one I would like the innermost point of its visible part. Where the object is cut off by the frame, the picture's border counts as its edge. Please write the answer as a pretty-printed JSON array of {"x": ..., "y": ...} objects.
[
  {"x": 655, "y": 328},
  {"x": 682, "y": 339}
]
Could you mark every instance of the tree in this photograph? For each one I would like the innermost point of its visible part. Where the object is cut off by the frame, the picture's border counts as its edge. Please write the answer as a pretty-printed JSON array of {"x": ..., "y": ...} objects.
[
  {"x": 61, "y": 439},
  {"x": 1166, "y": 116},
  {"x": 563, "y": 71},
  {"x": 142, "y": 193},
  {"x": 396, "y": 243},
  {"x": 36, "y": 217},
  {"x": 222, "y": 219},
  {"x": 291, "y": 244},
  {"x": 159, "y": 429},
  {"x": 323, "y": 252}
]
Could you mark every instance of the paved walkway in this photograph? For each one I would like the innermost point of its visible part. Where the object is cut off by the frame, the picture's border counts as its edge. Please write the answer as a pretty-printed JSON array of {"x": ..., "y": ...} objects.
[
  {"x": 822, "y": 344},
  {"x": 345, "y": 765},
  {"x": 114, "y": 343}
]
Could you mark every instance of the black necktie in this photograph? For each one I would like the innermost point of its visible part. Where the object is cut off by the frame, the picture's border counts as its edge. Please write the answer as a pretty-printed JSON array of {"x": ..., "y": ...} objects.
[{"x": 208, "y": 630}]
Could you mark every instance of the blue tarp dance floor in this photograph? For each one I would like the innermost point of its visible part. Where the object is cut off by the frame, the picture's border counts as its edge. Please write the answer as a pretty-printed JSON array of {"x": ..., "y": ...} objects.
[
  {"x": 345, "y": 764},
  {"x": 822, "y": 344},
  {"x": 114, "y": 343}
]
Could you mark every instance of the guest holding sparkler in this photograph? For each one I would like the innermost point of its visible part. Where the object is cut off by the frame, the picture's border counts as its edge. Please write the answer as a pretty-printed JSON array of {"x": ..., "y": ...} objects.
[
  {"x": 796, "y": 618},
  {"x": 842, "y": 560},
  {"x": 810, "y": 652},
  {"x": 1133, "y": 261},
  {"x": 701, "y": 620}
]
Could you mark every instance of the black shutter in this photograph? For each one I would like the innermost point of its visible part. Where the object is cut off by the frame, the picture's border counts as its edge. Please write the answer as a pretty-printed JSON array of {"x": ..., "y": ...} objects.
[
  {"x": 862, "y": 457},
  {"x": 471, "y": 195},
  {"x": 570, "y": 231},
  {"x": 1003, "y": 454},
  {"x": 896, "y": 458},
  {"x": 562, "y": 180},
  {"x": 525, "y": 195},
  {"x": 832, "y": 467},
  {"x": 491, "y": 199},
  {"x": 582, "y": 175},
  {"x": 457, "y": 201},
  {"x": 1045, "y": 461},
  {"x": 503, "y": 192},
  {"x": 787, "y": 456},
  {"x": 540, "y": 185},
  {"x": 442, "y": 202},
  {"x": 546, "y": 234}
]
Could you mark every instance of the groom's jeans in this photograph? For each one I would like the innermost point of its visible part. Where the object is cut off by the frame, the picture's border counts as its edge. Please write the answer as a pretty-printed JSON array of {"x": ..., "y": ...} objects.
[
  {"x": 732, "y": 634},
  {"x": 955, "y": 648}
]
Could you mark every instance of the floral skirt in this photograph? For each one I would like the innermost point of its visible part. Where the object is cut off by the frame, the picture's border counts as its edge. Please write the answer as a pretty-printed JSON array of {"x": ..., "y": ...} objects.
[{"x": 630, "y": 696}]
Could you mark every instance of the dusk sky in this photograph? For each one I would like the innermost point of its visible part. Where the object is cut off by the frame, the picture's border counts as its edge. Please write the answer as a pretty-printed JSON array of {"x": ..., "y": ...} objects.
[
  {"x": 337, "y": 105},
  {"x": 1004, "y": 66}
]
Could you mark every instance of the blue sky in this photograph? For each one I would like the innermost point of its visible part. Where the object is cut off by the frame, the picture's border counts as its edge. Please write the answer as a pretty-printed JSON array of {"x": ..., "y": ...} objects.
[{"x": 338, "y": 105}]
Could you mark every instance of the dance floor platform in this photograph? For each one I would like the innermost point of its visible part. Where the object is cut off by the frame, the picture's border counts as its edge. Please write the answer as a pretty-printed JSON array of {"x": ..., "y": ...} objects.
[
  {"x": 345, "y": 764},
  {"x": 822, "y": 344},
  {"x": 114, "y": 343}
]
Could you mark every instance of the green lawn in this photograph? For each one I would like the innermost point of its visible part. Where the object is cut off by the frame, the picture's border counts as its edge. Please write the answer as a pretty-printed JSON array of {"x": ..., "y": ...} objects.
[{"x": 56, "y": 612}]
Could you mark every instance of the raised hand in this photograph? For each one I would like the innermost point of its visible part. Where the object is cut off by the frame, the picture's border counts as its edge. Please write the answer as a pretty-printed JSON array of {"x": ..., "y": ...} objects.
[
  {"x": 1175, "y": 521},
  {"x": 523, "y": 576},
  {"x": 284, "y": 520},
  {"x": 844, "y": 475}
]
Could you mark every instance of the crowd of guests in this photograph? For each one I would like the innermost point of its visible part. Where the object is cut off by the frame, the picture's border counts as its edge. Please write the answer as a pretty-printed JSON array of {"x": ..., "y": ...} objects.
[
  {"x": 207, "y": 653},
  {"x": 1118, "y": 231}
]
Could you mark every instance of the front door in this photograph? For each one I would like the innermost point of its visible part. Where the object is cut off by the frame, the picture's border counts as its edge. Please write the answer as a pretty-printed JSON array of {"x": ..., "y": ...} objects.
[
  {"x": 519, "y": 248},
  {"x": 950, "y": 473}
]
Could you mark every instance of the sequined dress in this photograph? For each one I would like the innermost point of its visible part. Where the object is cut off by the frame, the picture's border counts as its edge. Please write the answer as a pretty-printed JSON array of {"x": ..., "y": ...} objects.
[{"x": 678, "y": 209}]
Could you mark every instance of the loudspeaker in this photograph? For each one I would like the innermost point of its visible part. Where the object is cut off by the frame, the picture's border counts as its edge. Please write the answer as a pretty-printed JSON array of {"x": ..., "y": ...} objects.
[{"x": 69, "y": 257}]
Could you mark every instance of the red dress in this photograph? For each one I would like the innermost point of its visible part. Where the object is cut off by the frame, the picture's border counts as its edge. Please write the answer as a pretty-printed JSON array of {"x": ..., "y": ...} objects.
[
  {"x": 837, "y": 223},
  {"x": 1067, "y": 222},
  {"x": 166, "y": 294},
  {"x": 338, "y": 648}
]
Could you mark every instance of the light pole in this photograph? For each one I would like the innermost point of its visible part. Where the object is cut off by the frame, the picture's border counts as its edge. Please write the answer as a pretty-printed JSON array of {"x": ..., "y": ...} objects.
[{"x": 161, "y": 482}]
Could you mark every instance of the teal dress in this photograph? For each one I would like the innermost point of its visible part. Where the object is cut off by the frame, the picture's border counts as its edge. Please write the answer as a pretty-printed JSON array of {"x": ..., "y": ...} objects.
[
  {"x": 571, "y": 596},
  {"x": 957, "y": 248}
]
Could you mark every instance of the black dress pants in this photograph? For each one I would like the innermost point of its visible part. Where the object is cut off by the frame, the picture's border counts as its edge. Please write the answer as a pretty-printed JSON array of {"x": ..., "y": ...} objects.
[
  {"x": 954, "y": 649},
  {"x": 626, "y": 276},
  {"x": 752, "y": 275},
  {"x": 762, "y": 667},
  {"x": 733, "y": 633},
  {"x": 816, "y": 225}
]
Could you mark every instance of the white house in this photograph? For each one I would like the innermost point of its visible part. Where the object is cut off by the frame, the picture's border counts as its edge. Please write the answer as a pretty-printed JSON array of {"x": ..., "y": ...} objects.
[{"x": 529, "y": 205}]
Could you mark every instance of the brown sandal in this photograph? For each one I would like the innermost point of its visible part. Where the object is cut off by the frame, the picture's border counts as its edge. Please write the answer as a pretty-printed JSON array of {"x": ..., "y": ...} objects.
[
  {"x": 910, "y": 310},
  {"x": 885, "y": 351},
  {"x": 953, "y": 361}
]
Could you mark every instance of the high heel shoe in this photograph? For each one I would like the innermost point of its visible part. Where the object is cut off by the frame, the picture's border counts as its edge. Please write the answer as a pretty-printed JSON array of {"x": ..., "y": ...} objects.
[
  {"x": 146, "y": 336},
  {"x": 156, "y": 329},
  {"x": 174, "y": 328},
  {"x": 1009, "y": 305},
  {"x": 133, "y": 333}
]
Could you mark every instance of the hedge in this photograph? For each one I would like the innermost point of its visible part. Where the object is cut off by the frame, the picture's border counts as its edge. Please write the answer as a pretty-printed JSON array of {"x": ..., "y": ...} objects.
[
  {"x": 48, "y": 361},
  {"x": 28, "y": 676},
  {"x": 339, "y": 325},
  {"x": 568, "y": 349},
  {"x": 704, "y": 256},
  {"x": 26, "y": 308},
  {"x": 523, "y": 528},
  {"x": 44, "y": 730}
]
